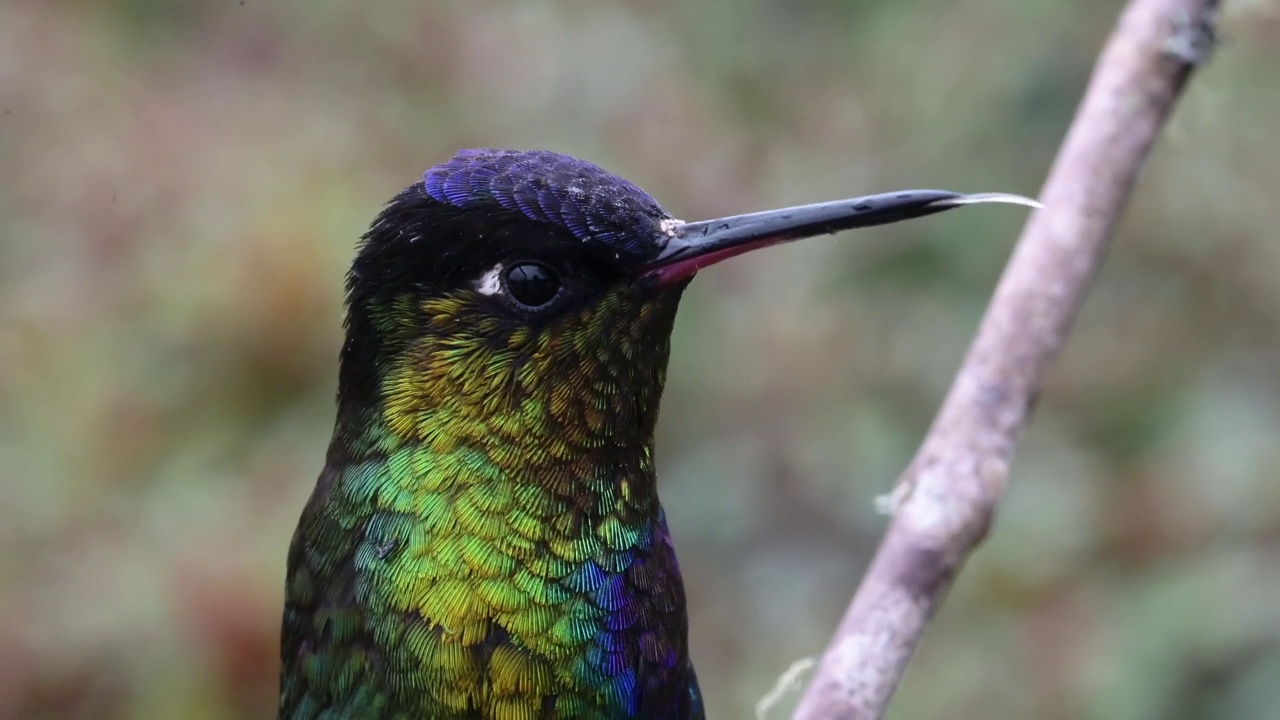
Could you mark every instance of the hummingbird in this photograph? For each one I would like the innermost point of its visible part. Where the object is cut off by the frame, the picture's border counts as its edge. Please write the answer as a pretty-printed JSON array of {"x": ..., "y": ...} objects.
[{"x": 485, "y": 540}]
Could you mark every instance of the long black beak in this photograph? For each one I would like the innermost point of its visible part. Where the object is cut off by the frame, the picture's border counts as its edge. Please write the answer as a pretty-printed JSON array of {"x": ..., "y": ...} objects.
[{"x": 691, "y": 246}]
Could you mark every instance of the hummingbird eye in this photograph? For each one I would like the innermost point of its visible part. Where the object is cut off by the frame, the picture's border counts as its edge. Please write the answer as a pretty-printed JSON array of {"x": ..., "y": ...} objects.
[{"x": 532, "y": 285}]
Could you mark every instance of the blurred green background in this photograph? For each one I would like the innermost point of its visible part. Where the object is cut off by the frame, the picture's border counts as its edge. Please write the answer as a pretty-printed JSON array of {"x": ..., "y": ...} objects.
[{"x": 183, "y": 183}]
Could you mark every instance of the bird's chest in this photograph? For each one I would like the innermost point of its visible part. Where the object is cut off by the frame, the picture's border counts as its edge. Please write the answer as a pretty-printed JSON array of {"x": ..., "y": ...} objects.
[{"x": 508, "y": 599}]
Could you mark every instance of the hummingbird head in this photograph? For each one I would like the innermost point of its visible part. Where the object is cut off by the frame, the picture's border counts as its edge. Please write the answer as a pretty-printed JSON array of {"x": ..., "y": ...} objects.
[{"x": 529, "y": 296}]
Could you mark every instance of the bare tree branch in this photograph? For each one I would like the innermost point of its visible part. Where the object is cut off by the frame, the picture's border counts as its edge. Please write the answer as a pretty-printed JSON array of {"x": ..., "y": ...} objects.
[{"x": 947, "y": 497}]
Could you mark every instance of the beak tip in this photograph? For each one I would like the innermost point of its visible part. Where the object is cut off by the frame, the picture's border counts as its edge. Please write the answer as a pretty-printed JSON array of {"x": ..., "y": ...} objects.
[{"x": 995, "y": 197}]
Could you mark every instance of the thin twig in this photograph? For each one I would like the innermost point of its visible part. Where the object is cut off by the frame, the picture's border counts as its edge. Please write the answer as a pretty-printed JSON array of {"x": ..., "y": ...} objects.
[{"x": 947, "y": 497}]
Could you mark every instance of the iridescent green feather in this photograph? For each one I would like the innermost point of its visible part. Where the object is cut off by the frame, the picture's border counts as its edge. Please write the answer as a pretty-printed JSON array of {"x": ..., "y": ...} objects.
[{"x": 488, "y": 542}]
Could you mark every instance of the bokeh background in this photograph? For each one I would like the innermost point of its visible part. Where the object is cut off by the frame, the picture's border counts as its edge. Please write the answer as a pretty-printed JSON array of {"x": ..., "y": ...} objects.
[{"x": 183, "y": 182}]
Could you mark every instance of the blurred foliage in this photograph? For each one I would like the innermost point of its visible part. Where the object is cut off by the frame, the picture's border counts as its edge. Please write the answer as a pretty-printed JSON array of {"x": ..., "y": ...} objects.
[{"x": 184, "y": 181}]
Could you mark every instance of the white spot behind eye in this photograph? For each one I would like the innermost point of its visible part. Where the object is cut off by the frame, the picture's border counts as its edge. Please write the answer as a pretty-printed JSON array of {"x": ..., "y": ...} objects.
[{"x": 490, "y": 283}]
